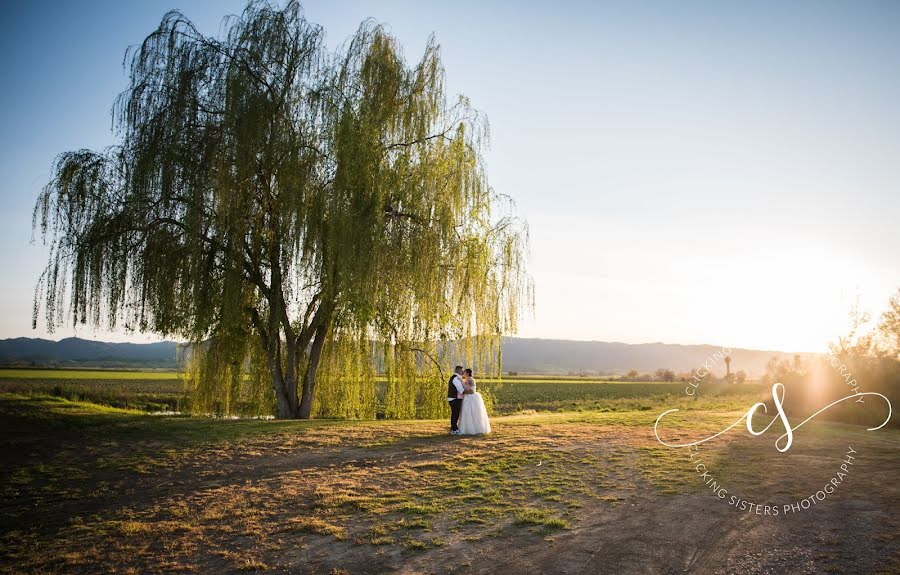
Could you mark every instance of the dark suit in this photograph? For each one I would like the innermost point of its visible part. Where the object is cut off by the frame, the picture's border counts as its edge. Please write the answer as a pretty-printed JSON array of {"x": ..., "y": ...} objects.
[{"x": 455, "y": 404}]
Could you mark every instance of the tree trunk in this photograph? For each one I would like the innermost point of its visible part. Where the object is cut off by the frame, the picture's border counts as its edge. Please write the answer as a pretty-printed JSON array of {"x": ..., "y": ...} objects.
[
  {"x": 286, "y": 411},
  {"x": 309, "y": 378},
  {"x": 286, "y": 407}
]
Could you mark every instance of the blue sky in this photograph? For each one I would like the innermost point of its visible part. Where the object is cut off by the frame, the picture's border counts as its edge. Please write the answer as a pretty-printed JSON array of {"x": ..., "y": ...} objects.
[{"x": 693, "y": 172}]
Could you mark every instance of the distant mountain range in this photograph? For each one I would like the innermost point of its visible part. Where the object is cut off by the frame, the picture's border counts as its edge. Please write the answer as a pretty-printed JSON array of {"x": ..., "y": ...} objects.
[
  {"x": 77, "y": 352},
  {"x": 523, "y": 355},
  {"x": 561, "y": 356}
]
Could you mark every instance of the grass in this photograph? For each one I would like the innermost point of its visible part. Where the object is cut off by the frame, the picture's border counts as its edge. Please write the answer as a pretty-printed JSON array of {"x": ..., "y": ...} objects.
[
  {"x": 613, "y": 396},
  {"x": 541, "y": 517},
  {"x": 89, "y": 374},
  {"x": 164, "y": 391},
  {"x": 88, "y": 487},
  {"x": 144, "y": 394},
  {"x": 83, "y": 458},
  {"x": 316, "y": 526}
]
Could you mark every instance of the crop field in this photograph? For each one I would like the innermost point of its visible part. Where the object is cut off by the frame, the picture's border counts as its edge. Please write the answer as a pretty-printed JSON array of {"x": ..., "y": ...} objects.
[
  {"x": 551, "y": 395},
  {"x": 148, "y": 391},
  {"x": 88, "y": 374},
  {"x": 154, "y": 391}
]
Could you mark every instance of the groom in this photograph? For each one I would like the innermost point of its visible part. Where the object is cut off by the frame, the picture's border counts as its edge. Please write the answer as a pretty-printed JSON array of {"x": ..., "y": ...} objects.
[{"x": 455, "y": 398}]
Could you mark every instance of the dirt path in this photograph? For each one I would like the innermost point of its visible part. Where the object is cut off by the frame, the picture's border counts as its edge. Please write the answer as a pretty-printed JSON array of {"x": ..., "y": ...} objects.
[{"x": 549, "y": 498}]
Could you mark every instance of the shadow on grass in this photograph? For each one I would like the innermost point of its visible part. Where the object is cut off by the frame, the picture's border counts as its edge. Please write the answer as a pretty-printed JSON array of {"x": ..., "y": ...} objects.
[
  {"x": 34, "y": 417},
  {"x": 48, "y": 420}
]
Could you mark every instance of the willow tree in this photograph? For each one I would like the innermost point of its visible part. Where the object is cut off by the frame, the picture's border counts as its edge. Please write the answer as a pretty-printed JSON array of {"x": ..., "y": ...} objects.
[{"x": 304, "y": 214}]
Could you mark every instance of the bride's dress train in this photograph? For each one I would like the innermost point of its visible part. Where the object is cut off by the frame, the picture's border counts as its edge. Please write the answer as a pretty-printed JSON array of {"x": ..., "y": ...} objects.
[{"x": 473, "y": 418}]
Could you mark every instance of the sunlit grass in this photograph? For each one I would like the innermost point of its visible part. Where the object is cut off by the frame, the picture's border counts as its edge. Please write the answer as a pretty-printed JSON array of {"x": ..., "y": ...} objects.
[{"x": 250, "y": 490}]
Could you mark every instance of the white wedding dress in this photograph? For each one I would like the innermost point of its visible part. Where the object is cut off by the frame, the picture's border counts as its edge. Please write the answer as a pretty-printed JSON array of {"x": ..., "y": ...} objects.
[{"x": 473, "y": 417}]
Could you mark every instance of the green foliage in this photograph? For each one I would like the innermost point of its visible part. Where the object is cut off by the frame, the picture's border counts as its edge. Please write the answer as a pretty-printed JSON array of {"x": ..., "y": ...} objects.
[
  {"x": 347, "y": 385},
  {"x": 299, "y": 213}
]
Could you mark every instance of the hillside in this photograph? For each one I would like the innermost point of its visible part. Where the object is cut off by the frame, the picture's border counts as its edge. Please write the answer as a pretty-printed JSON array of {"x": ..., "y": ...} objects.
[
  {"x": 540, "y": 356},
  {"x": 77, "y": 352},
  {"x": 551, "y": 356}
]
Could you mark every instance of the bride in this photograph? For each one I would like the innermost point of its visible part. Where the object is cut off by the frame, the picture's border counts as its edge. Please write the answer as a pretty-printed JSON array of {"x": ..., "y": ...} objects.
[{"x": 473, "y": 418}]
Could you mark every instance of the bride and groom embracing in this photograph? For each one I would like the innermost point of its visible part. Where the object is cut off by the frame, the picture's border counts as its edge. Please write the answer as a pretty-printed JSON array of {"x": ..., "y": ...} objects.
[{"x": 468, "y": 415}]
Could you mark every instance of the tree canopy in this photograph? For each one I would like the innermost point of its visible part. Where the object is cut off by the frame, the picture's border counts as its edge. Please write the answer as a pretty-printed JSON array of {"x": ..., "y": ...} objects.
[{"x": 305, "y": 216}]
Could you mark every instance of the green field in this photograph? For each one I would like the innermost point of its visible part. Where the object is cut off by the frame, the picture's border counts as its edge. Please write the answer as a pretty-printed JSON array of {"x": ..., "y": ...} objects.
[
  {"x": 88, "y": 374},
  {"x": 148, "y": 391},
  {"x": 91, "y": 373},
  {"x": 163, "y": 391},
  {"x": 556, "y": 396}
]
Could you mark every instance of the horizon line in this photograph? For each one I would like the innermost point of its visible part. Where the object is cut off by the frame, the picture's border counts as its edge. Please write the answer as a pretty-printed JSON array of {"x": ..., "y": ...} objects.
[{"x": 505, "y": 336}]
